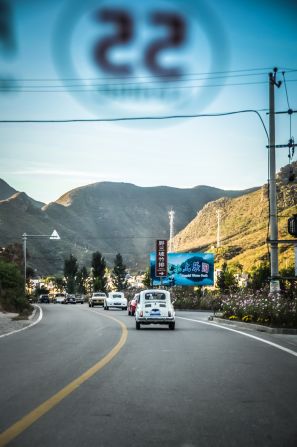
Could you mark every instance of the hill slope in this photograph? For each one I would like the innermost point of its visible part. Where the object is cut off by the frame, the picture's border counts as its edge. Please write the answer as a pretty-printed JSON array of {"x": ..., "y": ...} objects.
[
  {"x": 109, "y": 217},
  {"x": 243, "y": 227}
]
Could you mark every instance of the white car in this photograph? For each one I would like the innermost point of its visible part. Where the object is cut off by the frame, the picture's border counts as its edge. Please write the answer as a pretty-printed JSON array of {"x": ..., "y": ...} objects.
[
  {"x": 154, "y": 307},
  {"x": 116, "y": 300},
  {"x": 60, "y": 298},
  {"x": 97, "y": 298}
]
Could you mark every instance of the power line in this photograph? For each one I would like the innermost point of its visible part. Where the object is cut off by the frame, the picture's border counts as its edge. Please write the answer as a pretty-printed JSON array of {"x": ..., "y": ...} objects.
[
  {"x": 265, "y": 69},
  {"x": 140, "y": 118},
  {"x": 62, "y": 89},
  {"x": 82, "y": 81}
]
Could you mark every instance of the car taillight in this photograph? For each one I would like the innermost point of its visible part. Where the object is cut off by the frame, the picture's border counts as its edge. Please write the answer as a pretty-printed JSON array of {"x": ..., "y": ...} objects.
[
  {"x": 141, "y": 313},
  {"x": 169, "y": 313}
]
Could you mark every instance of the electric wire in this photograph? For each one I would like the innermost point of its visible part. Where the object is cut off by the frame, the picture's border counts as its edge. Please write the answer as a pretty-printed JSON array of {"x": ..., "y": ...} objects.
[
  {"x": 139, "y": 118},
  {"x": 224, "y": 73}
]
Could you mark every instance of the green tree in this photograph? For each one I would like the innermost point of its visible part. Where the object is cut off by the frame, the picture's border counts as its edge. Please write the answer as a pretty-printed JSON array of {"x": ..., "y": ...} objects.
[
  {"x": 99, "y": 272},
  {"x": 147, "y": 279},
  {"x": 81, "y": 278},
  {"x": 119, "y": 273},
  {"x": 259, "y": 276},
  {"x": 59, "y": 283},
  {"x": 226, "y": 280},
  {"x": 70, "y": 271},
  {"x": 288, "y": 287},
  {"x": 13, "y": 253},
  {"x": 12, "y": 298}
]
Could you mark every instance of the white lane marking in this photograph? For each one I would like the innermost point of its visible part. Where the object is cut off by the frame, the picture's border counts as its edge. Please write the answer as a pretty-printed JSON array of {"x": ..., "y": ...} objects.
[
  {"x": 275, "y": 345},
  {"x": 26, "y": 327}
]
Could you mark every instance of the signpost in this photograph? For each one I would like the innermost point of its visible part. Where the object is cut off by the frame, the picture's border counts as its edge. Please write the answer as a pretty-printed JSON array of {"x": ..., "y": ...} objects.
[
  {"x": 161, "y": 259},
  {"x": 53, "y": 236}
]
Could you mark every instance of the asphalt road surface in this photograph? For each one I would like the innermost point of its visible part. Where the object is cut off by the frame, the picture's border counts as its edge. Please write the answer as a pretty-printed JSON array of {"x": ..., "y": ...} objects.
[{"x": 86, "y": 377}]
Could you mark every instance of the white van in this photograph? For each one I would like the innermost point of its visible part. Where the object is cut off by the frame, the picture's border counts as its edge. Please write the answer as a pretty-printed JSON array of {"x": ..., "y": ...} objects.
[
  {"x": 115, "y": 300},
  {"x": 154, "y": 307}
]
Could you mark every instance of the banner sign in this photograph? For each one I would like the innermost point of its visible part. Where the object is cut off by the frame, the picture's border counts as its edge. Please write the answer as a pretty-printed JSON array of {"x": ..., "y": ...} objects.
[
  {"x": 161, "y": 258},
  {"x": 185, "y": 269}
]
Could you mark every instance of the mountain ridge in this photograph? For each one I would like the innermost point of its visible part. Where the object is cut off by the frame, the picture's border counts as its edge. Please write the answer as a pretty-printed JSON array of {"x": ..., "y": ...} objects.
[{"x": 107, "y": 216}]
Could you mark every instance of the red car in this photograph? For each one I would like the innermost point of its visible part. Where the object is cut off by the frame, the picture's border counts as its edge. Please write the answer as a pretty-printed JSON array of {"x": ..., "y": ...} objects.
[{"x": 132, "y": 306}]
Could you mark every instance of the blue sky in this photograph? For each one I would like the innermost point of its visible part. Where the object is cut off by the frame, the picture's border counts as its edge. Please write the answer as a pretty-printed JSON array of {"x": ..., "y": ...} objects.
[{"x": 50, "y": 51}]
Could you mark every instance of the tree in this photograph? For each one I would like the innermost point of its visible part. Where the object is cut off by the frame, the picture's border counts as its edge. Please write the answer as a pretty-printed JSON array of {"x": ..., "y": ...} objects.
[
  {"x": 147, "y": 279},
  {"x": 81, "y": 278},
  {"x": 13, "y": 253},
  {"x": 59, "y": 283},
  {"x": 226, "y": 281},
  {"x": 98, "y": 272},
  {"x": 12, "y": 297},
  {"x": 70, "y": 271},
  {"x": 259, "y": 276},
  {"x": 119, "y": 273}
]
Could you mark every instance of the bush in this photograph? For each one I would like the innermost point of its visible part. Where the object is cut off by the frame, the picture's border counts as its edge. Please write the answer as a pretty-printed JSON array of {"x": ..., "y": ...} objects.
[
  {"x": 12, "y": 297},
  {"x": 262, "y": 307},
  {"x": 189, "y": 298}
]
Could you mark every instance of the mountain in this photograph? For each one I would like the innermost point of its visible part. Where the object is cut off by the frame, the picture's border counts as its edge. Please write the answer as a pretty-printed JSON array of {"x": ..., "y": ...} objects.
[
  {"x": 243, "y": 226},
  {"x": 109, "y": 217},
  {"x": 6, "y": 191}
]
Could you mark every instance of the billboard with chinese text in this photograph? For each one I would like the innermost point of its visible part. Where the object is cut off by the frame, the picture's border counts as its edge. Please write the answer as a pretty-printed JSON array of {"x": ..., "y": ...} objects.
[{"x": 185, "y": 269}]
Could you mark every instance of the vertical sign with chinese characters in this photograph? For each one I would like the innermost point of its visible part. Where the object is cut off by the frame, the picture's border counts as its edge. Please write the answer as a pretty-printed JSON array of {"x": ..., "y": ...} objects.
[{"x": 161, "y": 258}]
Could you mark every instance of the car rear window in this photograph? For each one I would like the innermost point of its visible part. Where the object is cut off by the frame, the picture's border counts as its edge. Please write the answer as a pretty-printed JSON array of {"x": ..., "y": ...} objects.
[
  {"x": 155, "y": 296},
  {"x": 116, "y": 296}
]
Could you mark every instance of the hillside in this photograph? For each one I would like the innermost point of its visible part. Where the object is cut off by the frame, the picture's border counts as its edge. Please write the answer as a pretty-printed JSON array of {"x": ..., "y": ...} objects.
[
  {"x": 243, "y": 227},
  {"x": 109, "y": 217}
]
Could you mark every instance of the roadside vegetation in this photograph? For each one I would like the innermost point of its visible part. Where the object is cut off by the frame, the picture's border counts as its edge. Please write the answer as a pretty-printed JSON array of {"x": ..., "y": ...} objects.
[
  {"x": 12, "y": 296},
  {"x": 252, "y": 303}
]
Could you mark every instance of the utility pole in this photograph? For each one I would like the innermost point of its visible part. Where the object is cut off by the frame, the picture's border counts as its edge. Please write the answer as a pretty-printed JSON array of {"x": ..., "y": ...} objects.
[{"x": 273, "y": 225}]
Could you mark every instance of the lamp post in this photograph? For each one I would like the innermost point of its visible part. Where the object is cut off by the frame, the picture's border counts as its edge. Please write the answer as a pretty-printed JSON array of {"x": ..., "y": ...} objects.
[{"x": 25, "y": 236}]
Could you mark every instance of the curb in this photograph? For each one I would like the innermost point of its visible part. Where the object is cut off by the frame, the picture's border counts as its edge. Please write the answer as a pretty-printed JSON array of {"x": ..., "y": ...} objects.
[
  {"x": 255, "y": 327},
  {"x": 30, "y": 322}
]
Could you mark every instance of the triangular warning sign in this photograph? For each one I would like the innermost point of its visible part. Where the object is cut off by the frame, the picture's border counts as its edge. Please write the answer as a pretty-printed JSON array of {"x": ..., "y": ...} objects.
[{"x": 55, "y": 235}]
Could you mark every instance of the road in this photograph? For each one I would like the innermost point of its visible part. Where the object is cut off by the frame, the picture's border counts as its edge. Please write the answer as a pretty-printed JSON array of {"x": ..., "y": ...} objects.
[{"x": 200, "y": 385}]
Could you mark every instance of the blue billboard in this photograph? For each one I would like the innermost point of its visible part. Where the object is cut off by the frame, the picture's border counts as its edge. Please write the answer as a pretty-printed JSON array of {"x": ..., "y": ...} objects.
[{"x": 185, "y": 269}]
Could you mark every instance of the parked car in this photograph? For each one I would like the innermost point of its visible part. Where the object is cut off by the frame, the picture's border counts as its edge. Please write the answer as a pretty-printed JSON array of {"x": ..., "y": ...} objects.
[
  {"x": 154, "y": 306},
  {"x": 115, "y": 300},
  {"x": 132, "y": 305},
  {"x": 43, "y": 299},
  {"x": 97, "y": 299},
  {"x": 60, "y": 298},
  {"x": 79, "y": 299},
  {"x": 70, "y": 299}
]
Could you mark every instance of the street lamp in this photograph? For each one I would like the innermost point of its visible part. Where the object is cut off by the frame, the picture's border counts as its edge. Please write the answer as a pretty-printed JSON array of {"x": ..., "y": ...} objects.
[{"x": 25, "y": 236}]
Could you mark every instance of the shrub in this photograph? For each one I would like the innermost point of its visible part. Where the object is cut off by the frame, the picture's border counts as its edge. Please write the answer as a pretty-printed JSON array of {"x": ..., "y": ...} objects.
[
  {"x": 12, "y": 297},
  {"x": 261, "y": 307}
]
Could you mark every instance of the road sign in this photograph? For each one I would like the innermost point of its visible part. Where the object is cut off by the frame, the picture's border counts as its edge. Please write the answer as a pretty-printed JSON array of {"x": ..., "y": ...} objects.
[
  {"x": 55, "y": 235},
  {"x": 161, "y": 258}
]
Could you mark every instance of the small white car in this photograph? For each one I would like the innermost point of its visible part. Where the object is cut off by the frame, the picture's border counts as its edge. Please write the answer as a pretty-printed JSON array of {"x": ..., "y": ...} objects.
[
  {"x": 60, "y": 298},
  {"x": 154, "y": 307},
  {"x": 116, "y": 300},
  {"x": 97, "y": 299}
]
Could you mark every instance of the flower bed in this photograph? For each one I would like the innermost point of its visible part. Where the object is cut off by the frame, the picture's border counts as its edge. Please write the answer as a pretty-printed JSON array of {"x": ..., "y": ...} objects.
[{"x": 276, "y": 310}]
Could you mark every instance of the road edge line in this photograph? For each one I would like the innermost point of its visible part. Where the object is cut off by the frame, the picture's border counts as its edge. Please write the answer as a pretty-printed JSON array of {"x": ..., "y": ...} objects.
[
  {"x": 26, "y": 327},
  {"x": 275, "y": 345}
]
